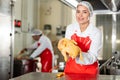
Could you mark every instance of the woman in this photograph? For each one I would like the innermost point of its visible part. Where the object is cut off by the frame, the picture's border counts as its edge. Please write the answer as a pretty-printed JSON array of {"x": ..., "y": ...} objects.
[{"x": 88, "y": 39}]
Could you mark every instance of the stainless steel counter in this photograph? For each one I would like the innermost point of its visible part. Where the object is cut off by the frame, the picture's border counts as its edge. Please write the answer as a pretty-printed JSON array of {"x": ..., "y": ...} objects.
[{"x": 52, "y": 76}]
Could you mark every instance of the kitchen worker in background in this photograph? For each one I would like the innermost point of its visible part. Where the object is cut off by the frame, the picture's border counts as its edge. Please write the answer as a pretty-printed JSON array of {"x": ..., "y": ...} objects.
[
  {"x": 89, "y": 40},
  {"x": 43, "y": 48}
]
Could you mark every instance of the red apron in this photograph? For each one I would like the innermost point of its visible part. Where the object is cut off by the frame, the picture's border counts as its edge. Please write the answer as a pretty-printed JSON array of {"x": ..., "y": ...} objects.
[
  {"x": 46, "y": 60},
  {"x": 71, "y": 66}
]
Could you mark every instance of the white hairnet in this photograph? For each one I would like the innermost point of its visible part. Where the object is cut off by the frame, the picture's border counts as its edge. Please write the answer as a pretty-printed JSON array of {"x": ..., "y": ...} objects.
[
  {"x": 36, "y": 32},
  {"x": 87, "y": 5}
]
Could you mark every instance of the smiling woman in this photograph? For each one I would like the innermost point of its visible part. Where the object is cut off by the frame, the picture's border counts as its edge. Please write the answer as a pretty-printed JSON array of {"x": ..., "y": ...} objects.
[{"x": 88, "y": 39}]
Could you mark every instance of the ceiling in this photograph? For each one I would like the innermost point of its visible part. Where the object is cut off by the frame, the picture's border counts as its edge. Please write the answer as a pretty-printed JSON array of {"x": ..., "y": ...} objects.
[
  {"x": 97, "y": 4},
  {"x": 113, "y": 5}
]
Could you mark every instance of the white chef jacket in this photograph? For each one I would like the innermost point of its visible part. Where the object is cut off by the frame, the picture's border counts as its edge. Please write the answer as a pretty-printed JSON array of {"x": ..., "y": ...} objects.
[
  {"x": 95, "y": 35},
  {"x": 44, "y": 43}
]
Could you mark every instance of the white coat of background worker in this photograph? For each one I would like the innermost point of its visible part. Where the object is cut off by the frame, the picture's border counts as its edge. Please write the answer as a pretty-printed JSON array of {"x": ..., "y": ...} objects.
[{"x": 42, "y": 48}]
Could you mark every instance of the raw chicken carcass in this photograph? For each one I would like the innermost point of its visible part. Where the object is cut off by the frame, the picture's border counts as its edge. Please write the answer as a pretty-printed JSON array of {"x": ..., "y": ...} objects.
[{"x": 69, "y": 48}]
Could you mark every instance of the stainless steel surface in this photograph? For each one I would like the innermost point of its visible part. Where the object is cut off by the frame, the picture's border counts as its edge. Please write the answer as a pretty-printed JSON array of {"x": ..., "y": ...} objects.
[
  {"x": 112, "y": 64},
  {"x": 5, "y": 46},
  {"x": 113, "y": 5},
  {"x": 114, "y": 27},
  {"x": 5, "y": 7},
  {"x": 5, "y": 39},
  {"x": 109, "y": 25},
  {"x": 52, "y": 76}
]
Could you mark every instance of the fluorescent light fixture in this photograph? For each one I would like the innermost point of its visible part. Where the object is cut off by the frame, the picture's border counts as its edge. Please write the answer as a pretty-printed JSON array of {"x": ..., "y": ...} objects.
[{"x": 71, "y": 3}]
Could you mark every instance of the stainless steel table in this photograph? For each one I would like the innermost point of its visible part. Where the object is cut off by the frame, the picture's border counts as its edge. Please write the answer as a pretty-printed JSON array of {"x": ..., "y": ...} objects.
[{"x": 52, "y": 76}]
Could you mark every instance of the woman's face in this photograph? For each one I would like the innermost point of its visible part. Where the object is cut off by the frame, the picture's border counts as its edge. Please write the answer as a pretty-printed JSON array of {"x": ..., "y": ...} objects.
[{"x": 82, "y": 14}]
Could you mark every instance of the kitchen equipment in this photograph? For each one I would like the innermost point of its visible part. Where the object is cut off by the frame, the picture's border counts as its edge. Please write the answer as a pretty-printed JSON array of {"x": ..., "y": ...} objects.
[
  {"x": 113, "y": 5},
  {"x": 61, "y": 66},
  {"x": 112, "y": 64}
]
